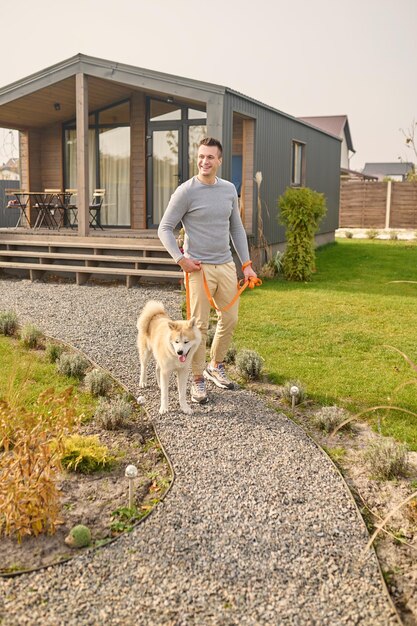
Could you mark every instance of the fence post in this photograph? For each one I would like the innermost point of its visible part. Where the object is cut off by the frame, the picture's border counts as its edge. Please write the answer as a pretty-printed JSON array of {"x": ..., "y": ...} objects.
[{"x": 388, "y": 205}]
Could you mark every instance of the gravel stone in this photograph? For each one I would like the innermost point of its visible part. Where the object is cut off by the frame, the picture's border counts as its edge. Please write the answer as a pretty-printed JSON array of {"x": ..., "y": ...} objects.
[{"x": 258, "y": 528}]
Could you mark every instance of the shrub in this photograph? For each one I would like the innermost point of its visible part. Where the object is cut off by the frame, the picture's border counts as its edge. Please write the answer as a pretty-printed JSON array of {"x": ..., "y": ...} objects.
[
  {"x": 8, "y": 323},
  {"x": 302, "y": 209},
  {"x": 73, "y": 365},
  {"x": 330, "y": 417},
  {"x": 231, "y": 354},
  {"x": 348, "y": 234},
  {"x": 249, "y": 364},
  {"x": 85, "y": 455},
  {"x": 98, "y": 382},
  {"x": 53, "y": 351},
  {"x": 274, "y": 267},
  {"x": 387, "y": 458},
  {"x": 287, "y": 395},
  {"x": 372, "y": 233},
  {"x": 30, "y": 464},
  {"x": 79, "y": 537},
  {"x": 112, "y": 414},
  {"x": 30, "y": 336},
  {"x": 211, "y": 331}
]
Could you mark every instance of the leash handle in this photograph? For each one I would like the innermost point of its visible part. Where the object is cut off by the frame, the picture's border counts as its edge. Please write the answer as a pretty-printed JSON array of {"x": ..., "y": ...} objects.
[{"x": 252, "y": 282}]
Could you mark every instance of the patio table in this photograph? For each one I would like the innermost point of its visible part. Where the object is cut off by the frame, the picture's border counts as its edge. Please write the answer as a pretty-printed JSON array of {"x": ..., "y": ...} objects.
[{"x": 20, "y": 201}]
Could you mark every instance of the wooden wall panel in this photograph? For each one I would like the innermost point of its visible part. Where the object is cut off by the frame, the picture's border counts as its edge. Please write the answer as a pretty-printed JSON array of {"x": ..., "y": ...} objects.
[{"x": 51, "y": 157}]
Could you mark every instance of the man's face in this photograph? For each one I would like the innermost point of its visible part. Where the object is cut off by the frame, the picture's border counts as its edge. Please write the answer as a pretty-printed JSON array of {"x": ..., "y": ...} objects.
[{"x": 208, "y": 161}]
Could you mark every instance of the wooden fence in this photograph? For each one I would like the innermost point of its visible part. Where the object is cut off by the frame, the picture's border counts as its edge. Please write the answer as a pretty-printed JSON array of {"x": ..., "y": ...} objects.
[{"x": 366, "y": 204}]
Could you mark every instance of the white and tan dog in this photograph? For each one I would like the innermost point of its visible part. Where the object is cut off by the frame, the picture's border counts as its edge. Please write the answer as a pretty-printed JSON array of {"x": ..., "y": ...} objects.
[{"x": 172, "y": 344}]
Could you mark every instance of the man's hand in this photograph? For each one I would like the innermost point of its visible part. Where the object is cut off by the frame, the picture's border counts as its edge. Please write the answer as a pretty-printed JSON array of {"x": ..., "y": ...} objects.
[
  {"x": 189, "y": 265},
  {"x": 248, "y": 271}
]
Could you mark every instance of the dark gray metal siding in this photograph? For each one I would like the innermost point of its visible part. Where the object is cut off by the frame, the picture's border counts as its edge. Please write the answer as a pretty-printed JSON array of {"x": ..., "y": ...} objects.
[{"x": 274, "y": 134}]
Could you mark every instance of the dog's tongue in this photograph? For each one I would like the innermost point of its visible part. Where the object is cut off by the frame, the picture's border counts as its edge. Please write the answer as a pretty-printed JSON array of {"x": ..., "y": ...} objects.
[{"x": 182, "y": 358}]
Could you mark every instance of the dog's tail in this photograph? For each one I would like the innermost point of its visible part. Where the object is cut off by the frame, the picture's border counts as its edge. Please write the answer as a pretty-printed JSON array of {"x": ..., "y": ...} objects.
[{"x": 149, "y": 311}]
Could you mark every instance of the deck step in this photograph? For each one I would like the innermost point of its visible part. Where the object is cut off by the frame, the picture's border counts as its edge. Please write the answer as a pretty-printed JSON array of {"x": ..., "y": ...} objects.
[
  {"x": 99, "y": 258},
  {"x": 82, "y": 272}
]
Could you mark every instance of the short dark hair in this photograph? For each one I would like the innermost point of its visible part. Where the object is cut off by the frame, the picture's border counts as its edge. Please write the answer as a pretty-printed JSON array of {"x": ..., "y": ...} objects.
[{"x": 210, "y": 141}]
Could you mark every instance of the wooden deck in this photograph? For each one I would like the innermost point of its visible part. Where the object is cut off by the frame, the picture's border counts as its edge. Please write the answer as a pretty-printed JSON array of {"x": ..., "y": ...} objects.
[{"x": 113, "y": 255}]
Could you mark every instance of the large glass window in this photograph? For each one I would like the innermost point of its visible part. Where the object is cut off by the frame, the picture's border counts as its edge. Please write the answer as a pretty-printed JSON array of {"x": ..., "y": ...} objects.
[{"x": 109, "y": 161}]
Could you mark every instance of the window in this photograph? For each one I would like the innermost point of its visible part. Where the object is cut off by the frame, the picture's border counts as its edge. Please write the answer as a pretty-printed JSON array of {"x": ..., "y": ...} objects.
[{"x": 298, "y": 164}]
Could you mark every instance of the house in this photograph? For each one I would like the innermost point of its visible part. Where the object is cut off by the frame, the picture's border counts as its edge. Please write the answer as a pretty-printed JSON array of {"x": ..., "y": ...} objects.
[
  {"x": 89, "y": 123},
  {"x": 337, "y": 125},
  {"x": 10, "y": 170},
  {"x": 392, "y": 171}
]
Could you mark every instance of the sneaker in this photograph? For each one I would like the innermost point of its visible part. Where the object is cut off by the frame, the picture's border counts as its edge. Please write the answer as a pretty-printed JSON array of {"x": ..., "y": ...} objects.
[
  {"x": 198, "y": 391},
  {"x": 218, "y": 376}
]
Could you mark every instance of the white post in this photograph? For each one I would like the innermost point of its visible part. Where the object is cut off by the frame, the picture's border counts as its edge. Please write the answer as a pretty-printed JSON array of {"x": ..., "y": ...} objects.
[{"x": 388, "y": 205}]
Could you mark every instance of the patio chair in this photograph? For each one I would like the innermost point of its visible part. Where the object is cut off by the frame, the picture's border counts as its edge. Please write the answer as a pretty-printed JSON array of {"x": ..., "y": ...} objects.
[
  {"x": 18, "y": 201},
  {"x": 71, "y": 209},
  {"x": 95, "y": 208}
]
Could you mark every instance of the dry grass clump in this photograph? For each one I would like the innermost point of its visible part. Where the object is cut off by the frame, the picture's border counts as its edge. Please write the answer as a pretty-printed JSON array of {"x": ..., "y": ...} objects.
[
  {"x": 330, "y": 417},
  {"x": 387, "y": 458}
]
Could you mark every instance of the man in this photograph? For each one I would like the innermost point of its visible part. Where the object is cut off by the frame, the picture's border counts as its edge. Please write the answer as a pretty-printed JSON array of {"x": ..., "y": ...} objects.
[{"x": 208, "y": 208}]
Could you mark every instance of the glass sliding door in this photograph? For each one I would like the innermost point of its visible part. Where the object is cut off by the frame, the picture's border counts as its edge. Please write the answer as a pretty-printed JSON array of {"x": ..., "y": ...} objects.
[
  {"x": 174, "y": 132},
  {"x": 114, "y": 146},
  {"x": 165, "y": 170}
]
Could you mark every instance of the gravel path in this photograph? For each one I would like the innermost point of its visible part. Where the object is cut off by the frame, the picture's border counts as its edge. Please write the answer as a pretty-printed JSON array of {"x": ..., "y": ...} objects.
[{"x": 258, "y": 528}]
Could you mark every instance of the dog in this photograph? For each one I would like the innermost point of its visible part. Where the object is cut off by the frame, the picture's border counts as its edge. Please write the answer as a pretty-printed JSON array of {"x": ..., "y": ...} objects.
[{"x": 173, "y": 344}]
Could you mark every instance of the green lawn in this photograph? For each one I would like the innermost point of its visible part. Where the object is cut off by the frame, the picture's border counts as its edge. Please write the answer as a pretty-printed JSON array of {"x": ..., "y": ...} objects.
[
  {"x": 332, "y": 333},
  {"x": 25, "y": 374}
]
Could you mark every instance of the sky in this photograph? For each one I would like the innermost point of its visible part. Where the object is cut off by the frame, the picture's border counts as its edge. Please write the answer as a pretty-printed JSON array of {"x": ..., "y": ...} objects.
[{"x": 305, "y": 58}]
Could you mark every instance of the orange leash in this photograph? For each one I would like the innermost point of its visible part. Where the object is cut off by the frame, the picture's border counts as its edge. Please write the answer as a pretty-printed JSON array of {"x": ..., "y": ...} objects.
[{"x": 252, "y": 282}]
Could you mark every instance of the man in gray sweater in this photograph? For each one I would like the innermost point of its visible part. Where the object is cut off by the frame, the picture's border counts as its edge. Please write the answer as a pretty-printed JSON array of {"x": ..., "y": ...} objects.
[{"x": 207, "y": 207}]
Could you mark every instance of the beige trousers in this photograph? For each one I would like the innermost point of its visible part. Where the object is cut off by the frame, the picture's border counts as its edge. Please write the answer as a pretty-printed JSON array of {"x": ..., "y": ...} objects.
[{"x": 222, "y": 282}]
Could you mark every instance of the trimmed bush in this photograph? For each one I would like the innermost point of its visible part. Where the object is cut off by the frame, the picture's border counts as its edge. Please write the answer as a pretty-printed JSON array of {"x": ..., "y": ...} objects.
[
  {"x": 98, "y": 382},
  {"x": 112, "y": 414},
  {"x": 231, "y": 354},
  {"x": 330, "y": 417},
  {"x": 249, "y": 364},
  {"x": 72, "y": 365},
  {"x": 8, "y": 323},
  {"x": 85, "y": 455},
  {"x": 286, "y": 392},
  {"x": 301, "y": 210},
  {"x": 387, "y": 458}
]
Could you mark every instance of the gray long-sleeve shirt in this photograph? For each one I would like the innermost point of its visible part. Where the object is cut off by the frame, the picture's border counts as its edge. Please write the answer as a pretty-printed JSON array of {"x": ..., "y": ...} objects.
[{"x": 210, "y": 216}]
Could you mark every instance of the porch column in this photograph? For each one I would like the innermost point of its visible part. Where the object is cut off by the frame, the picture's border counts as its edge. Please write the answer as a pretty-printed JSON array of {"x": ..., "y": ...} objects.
[
  {"x": 83, "y": 192},
  {"x": 215, "y": 120}
]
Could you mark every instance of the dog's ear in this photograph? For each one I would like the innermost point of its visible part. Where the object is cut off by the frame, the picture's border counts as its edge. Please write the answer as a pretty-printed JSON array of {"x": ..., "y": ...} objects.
[
  {"x": 191, "y": 322},
  {"x": 172, "y": 325}
]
